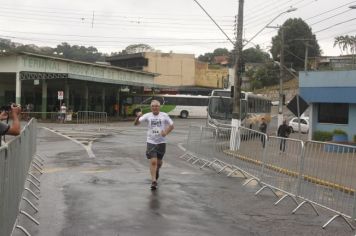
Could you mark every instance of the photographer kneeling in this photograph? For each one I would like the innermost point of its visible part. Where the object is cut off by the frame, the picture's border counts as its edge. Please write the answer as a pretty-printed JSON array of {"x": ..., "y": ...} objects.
[{"x": 11, "y": 112}]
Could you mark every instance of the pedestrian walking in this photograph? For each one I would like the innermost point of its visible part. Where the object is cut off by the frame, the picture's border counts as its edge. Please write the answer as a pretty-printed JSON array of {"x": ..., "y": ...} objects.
[
  {"x": 284, "y": 132},
  {"x": 263, "y": 129},
  {"x": 159, "y": 126}
]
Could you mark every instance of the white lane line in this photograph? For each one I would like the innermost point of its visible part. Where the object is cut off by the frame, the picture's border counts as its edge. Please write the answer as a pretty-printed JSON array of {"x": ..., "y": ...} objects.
[
  {"x": 87, "y": 148},
  {"x": 180, "y": 145}
]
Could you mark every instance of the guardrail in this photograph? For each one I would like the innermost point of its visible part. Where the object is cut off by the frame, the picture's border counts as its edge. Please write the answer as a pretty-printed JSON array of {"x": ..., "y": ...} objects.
[
  {"x": 16, "y": 178},
  {"x": 314, "y": 173},
  {"x": 52, "y": 116},
  {"x": 90, "y": 117}
]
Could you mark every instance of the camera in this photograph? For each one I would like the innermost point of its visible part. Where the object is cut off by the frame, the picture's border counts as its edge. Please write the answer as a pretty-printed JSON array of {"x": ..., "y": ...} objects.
[{"x": 6, "y": 108}]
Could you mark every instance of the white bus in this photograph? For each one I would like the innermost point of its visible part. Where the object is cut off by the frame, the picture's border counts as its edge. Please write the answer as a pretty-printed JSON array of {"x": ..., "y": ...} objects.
[
  {"x": 183, "y": 106},
  {"x": 252, "y": 108}
]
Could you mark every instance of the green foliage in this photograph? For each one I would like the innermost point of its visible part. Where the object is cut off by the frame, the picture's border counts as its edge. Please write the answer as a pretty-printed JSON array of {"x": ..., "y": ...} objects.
[
  {"x": 322, "y": 136},
  {"x": 346, "y": 43},
  {"x": 136, "y": 48},
  {"x": 79, "y": 53},
  {"x": 254, "y": 55},
  {"x": 209, "y": 56},
  {"x": 63, "y": 50},
  {"x": 221, "y": 52},
  {"x": 339, "y": 132},
  {"x": 296, "y": 34},
  {"x": 354, "y": 139},
  {"x": 263, "y": 76}
]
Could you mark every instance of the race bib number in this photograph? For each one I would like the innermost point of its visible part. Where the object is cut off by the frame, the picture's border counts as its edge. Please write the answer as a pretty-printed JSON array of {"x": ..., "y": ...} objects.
[{"x": 156, "y": 131}]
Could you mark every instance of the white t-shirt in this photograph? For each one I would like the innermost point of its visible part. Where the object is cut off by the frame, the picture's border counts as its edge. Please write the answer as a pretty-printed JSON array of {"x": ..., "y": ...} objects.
[
  {"x": 156, "y": 123},
  {"x": 63, "y": 109}
]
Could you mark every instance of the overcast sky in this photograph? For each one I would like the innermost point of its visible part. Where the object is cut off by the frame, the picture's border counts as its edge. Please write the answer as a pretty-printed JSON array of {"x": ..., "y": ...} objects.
[{"x": 167, "y": 25}]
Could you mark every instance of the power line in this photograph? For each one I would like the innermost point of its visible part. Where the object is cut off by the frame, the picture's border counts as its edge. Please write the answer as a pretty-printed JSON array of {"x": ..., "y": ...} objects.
[
  {"x": 101, "y": 36},
  {"x": 335, "y": 25},
  {"x": 333, "y": 9},
  {"x": 89, "y": 12},
  {"x": 130, "y": 19},
  {"x": 330, "y": 17},
  {"x": 98, "y": 20}
]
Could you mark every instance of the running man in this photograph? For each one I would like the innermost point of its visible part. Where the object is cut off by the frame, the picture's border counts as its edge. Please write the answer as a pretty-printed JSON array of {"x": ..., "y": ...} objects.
[{"x": 159, "y": 126}]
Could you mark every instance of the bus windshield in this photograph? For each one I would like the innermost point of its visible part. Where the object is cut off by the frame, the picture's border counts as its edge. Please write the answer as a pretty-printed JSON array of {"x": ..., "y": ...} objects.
[{"x": 220, "y": 108}]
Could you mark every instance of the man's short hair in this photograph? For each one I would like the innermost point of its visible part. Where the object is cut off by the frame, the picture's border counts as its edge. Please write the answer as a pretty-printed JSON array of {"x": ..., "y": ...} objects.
[{"x": 155, "y": 102}]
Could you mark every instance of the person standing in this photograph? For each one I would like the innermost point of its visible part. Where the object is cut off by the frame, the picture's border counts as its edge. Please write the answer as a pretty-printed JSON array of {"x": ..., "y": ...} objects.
[
  {"x": 283, "y": 132},
  {"x": 159, "y": 126},
  {"x": 263, "y": 129},
  {"x": 15, "y": 127},
  {"x": 63, "y": 112}
]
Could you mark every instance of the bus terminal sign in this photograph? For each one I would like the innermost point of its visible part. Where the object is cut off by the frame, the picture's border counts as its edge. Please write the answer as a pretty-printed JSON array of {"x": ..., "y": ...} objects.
[{"x": 60, "y": 95}]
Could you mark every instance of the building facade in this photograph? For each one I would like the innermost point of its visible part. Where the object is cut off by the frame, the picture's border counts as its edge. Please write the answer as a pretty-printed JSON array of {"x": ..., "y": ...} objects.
[
  {"x": 332, "y": 98},
  {"x": 175, "y": 70},
  {"x": 27, "y": 78}
]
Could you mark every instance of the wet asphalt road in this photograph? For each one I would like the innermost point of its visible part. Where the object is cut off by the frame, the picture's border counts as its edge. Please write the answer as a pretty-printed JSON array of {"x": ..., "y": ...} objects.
[{"x": 109, "y": 194}]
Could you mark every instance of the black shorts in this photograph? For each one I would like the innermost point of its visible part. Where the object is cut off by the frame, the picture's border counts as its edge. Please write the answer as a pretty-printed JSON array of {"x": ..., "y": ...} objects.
[{"x": 155, "y": 150}]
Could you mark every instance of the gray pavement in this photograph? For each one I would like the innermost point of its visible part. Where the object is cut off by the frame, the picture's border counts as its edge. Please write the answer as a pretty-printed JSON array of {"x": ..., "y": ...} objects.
[{"x": 108, "y": 193}]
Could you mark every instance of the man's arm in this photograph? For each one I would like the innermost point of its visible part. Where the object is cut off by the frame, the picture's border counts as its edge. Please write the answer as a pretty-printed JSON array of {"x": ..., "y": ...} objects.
[
  {"x": 137, "y": 119},
  {"x": 15, "y": 127},
  {"x": 167, "y": 130}
]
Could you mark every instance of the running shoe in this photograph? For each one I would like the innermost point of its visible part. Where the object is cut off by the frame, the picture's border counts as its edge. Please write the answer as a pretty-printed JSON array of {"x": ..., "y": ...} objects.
[{"x": 154, "y": 185}]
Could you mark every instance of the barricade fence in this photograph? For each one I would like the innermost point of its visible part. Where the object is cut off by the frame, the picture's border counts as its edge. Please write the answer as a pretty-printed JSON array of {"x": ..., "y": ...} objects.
[
  {"x": 90, "y": 117},
  {"x": 316, "y": 173},
  {"x": 16, "y": 159}
]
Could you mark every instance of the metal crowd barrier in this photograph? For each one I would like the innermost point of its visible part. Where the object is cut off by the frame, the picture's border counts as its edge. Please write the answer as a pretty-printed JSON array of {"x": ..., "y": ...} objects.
[
  {"x": 328, "y": 178},
  {"x": 90, "y": 117},
  {"x": 281, "y": 167},
  {"x": 316, "y": 173},
  {"x": 16, "y": 178},
  {"x": 52, "y": 116}
]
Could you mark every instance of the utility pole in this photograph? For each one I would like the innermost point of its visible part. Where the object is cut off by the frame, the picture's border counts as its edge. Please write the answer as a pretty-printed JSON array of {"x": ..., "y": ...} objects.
[
  {"x": 281, "y": 76},
  {"x": 238, "y": 65},
  {"x": 236, "y": 103}
]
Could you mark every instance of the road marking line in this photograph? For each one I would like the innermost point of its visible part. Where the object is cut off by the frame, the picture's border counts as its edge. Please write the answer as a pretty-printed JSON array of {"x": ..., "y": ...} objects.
[
  {"x": 180, "y": 145},
  {"x": 87, "y": 148}
]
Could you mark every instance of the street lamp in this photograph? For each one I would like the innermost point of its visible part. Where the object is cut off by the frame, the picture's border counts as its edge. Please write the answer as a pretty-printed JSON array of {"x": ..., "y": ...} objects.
[{"x": 266, "y": 26}]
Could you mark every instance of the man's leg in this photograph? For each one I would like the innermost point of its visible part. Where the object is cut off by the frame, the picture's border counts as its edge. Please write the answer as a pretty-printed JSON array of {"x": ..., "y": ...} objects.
[
  {"x": 159, "y": 165},
  {"x": 153, "y": 168}
]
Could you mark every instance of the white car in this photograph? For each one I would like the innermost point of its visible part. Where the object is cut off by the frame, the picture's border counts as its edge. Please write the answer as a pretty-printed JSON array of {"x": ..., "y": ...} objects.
[
  {"x": 275, "y": 103},
  {"x": 304, "y": 124}
]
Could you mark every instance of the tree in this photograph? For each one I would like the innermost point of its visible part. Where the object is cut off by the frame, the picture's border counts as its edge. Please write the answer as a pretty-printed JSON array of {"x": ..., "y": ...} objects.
[
  {"x": 345, "y": 43},
  {"x": 296, "y": 34},
  {"x": 221, "y": 52},
  {"x": 266, "y": 75},
  {"x": 136, "y": 48},
  {"x": 254, "y": 55},
  {"x": 209, "y": 56},
  {"x": 76, "y": 52}
]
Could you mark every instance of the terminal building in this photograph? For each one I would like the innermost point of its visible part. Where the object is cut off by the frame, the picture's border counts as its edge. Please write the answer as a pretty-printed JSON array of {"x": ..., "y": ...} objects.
[{"x": 28, "y": 78}]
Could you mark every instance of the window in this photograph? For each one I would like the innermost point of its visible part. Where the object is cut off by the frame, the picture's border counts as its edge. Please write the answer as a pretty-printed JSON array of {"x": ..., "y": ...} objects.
[
  {"x": 336, "y": 113},
  {"x": 303, "y": 121}
]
